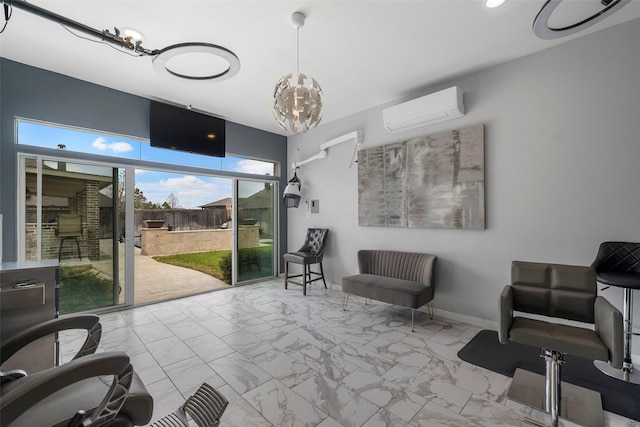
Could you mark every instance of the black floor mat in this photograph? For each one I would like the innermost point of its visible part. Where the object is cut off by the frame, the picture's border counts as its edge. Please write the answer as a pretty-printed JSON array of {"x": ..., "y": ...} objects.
[{"x": 486, "y": 351}]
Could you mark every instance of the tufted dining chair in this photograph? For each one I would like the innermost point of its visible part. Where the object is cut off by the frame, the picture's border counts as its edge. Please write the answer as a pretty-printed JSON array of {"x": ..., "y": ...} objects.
[{"x": 310, "y": 253}]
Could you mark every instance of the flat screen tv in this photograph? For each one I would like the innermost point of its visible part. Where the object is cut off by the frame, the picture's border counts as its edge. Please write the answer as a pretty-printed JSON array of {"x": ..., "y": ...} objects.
[{"x": 181, "y": 129}]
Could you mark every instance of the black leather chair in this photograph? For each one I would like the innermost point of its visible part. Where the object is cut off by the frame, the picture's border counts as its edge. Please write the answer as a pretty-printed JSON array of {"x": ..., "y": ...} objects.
[
  {"x": 563, "y": 292},
  {"x": 54, "y": 396},
  {"x": 618, "y": 264},
  {"x": 310, "y": 253},
  {"x": 11, "y": 345}
]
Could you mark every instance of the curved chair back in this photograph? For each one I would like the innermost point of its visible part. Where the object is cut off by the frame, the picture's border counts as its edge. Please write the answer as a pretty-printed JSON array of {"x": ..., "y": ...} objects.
[
  {"x": 416, "y": 267},
  {"x": 21, "y": 399},
  {"x": 554, "y": 290},
  {"x": 69, "y": 225},
  {"x": 315, "y": 242},
  {"x": 617, "y": 257}
]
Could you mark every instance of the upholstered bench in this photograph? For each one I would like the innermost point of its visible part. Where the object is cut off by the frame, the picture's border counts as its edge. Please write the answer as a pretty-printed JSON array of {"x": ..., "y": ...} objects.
[{"x": 400, "y": 278}]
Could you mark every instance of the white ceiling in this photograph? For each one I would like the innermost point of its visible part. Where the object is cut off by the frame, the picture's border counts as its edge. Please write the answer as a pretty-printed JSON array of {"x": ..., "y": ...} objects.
[{"x": 363, "y": 53}]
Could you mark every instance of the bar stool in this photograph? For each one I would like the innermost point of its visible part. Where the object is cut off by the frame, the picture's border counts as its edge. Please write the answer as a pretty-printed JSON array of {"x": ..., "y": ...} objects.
[
  {"x": 618, "y": 264},
  {"x": 69, "y": 227}
]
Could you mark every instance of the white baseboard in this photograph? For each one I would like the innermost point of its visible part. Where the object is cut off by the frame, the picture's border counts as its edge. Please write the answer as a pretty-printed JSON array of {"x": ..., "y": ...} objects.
[
  {"x": 459, "y": 317},
  {"x": 472, "y": 320}
]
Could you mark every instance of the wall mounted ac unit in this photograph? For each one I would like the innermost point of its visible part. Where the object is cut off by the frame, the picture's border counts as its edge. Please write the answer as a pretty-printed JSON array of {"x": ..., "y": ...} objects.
[{"x": 437, "y": 107}]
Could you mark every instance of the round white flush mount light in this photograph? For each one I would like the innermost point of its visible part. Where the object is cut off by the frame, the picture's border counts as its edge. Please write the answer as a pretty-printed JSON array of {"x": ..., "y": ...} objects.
[
  {"x": 542, "y": 29},
  {"x": 492, "y": 3},
  {"x": 197, "y": 61}
]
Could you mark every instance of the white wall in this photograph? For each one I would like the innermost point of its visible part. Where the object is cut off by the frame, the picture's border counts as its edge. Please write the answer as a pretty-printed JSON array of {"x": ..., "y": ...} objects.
[{"x": 562, "y": 147}]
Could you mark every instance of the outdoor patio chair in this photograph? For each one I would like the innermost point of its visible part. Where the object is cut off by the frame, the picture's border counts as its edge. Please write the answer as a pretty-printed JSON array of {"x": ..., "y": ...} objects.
[{"x": 69, "y": 227}]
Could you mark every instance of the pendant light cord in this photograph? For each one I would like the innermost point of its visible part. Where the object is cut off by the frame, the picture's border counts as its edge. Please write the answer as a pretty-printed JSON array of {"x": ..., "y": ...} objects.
[{"x": 298, "y": 50}]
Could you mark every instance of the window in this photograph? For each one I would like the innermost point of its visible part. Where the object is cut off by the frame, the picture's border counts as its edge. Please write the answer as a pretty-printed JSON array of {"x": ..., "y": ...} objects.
[{"x": 102, "y": 144}]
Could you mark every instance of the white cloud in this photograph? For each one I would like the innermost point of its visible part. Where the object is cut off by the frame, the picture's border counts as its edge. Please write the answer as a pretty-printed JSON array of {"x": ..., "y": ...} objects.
[
  {"x": 100, "y": 143},
  {"x": 120, "y": 147},
  {"x": 255, "y": 167},
  {"x": 191, "y": 191}
]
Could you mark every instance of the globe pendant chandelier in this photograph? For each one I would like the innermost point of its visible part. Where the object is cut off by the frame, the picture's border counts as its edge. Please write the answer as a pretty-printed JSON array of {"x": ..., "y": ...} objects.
[{"x": 297, "y": 101}]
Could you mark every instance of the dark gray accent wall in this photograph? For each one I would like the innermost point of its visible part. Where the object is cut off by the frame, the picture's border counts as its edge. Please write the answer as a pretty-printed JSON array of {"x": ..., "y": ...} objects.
[{"x": 37, "y": 94}]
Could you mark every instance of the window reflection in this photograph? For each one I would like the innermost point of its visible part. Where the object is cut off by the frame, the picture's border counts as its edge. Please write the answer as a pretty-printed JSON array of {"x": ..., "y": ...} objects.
[{"x": 101, "y": 144}]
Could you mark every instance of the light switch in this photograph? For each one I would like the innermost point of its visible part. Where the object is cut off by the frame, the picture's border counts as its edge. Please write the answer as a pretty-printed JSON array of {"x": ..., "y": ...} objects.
[{"x": 315, "y": 206}]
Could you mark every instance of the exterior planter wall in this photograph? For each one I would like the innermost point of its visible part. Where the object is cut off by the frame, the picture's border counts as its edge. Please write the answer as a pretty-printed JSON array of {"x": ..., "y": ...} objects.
[{"x": 161, "y": 241}]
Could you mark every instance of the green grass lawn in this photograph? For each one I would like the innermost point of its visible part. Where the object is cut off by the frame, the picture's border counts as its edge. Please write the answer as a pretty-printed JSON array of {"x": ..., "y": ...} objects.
[
  {"x": 218, "y": 263},
  {"x": 86, "y": 289},
  {"x": 205, "y": 262},
  {"x": 83, "y": 289}
]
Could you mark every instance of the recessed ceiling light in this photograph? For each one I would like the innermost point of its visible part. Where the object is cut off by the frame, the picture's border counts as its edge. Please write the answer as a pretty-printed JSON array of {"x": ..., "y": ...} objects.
[{"x": 492, "y": 3}]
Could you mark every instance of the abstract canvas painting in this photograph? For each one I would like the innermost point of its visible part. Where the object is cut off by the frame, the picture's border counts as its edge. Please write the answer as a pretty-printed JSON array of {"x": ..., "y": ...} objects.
[{"x": 434, "y": 181}]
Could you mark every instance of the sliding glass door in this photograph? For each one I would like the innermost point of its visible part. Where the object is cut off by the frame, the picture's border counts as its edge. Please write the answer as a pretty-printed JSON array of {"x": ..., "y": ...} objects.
[
  {"x": 255, "y": 230},
  {"x": 182, "y": 233},
  {"x": 73, "y": 212},
  {"x": 166, "y": 234}
]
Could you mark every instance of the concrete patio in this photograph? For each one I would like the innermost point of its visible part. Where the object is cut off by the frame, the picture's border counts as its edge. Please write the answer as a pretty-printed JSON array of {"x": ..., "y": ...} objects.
[{"x": 154, "y": 281}]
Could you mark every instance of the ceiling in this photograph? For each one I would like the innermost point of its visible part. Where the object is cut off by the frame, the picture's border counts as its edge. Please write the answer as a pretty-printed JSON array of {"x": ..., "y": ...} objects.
[{"x": 363, "y": 53}]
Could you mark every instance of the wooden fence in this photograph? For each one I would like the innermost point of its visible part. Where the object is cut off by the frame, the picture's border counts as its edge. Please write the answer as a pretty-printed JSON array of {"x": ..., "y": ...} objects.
[{"x": 183, "y": 219}]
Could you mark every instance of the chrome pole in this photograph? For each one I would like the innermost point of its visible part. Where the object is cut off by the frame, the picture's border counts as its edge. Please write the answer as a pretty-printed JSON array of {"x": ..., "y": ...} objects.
[
  {"x": 553, "y": 360},
  {"x": 627, "y": 315}
]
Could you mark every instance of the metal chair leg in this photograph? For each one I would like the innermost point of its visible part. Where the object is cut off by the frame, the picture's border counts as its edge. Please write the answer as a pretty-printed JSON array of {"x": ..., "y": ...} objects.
[
  {"x": 286, "y": 273},
  {"x": 412, "y": 320},
  {"x": 627, "y": 317},
  {"x": 78, "y": 246},
  {"x": 345, "y": 300},
  {"x": 305, "y": 268}
]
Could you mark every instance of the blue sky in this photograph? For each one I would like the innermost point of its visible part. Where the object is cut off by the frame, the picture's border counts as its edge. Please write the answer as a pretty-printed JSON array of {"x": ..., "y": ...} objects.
[{"x": 191, "y": 190}]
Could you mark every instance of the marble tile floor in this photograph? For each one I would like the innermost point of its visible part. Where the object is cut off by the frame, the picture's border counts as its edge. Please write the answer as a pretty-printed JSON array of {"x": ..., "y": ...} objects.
[{"x": 282, "y": 359}]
